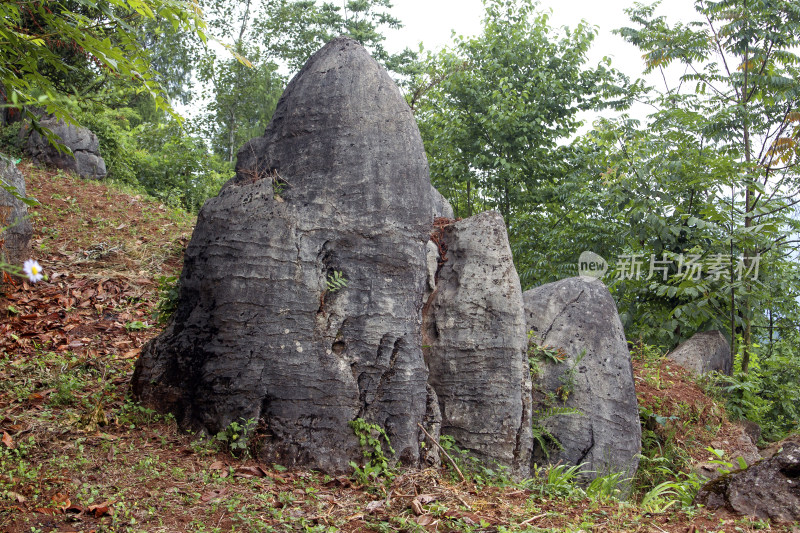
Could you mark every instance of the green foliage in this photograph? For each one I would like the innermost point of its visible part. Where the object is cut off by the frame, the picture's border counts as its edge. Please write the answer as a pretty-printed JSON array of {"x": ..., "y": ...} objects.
[
  {"x": 243, "y": 98},
  {"x": 168, "y": 293},
  {"x": 9, "y": 139},
  {"x": 769, "y": 394},
  {"x": 725, "y": 466},
  {"x": 493, "y": 110},
  {"x": 728, "y": 133},
  {"x": 541, "y": 434},
  {"x": 47, "y": 51},
  {"x": 336, "y": 281},
  {"x": 118, "y": 144},
  {"x": 293, "y": 30},
  {"x": 177, "y": 168},
  {"x": 235, "y": 437},
  {"x": 472, "y": 467},
  {"x": 372, "y": 439}
]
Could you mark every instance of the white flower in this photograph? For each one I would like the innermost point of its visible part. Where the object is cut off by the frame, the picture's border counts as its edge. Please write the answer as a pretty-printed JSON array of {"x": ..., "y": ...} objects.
[{"x": 33, "y": 270}]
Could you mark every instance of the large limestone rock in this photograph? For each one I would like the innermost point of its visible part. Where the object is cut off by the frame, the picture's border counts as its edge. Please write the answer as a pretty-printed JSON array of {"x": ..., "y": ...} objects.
[
  {"x": 85, "y": 161},
  {"x": 704, "y": 352},
  {"x": 16, "y": 229},
  {"x": 768, "y": 490},
  {"x": 338, "y": 183},
  {"x": 579, "y": 317},
  {"x": 475, "y": 344}
]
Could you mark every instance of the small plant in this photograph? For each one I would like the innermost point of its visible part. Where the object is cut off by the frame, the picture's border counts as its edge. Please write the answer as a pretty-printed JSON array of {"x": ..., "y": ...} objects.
[
  {"x": 235, "y": 436},
  {"x": 546, "y": 353},
  {"x": 336, "y": 281},
  {"x": 657, "y": 499},
  {"x": 541, "y": 435},
  {"x": 168, "y": 292},
  {"x": 725, "y": 466},
  {"x": 569, "y": 377},
  {"x": 606, "y": 487},
  {"x": 372, "y": 438},
  {"x": 137, "y": 325}
]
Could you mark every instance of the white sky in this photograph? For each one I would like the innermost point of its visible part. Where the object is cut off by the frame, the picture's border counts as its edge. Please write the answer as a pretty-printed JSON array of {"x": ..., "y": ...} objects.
[{"x": 432, "y": 22}]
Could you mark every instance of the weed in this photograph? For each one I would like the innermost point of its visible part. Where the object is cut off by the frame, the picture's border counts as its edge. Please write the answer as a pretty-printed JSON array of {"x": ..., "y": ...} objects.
[
  {"x": 336, "y": 281},
  {"x": 541, "y": 435},
  {"x": 372, "y": 437},
  {"x": 137, "y": 325},
  {"x": 168, "y": 293},
  {"x": 234, "y": 437}
]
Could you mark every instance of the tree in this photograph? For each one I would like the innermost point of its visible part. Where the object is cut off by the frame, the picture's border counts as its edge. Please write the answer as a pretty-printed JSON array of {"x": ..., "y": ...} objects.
[
  {"x": 245, "y": 96},
  {"x": 98, "y": 36},
  {"x": 292, "y": 30},
  {"x": 495, "y": 110},
  {"x": 743, "y": 72}
]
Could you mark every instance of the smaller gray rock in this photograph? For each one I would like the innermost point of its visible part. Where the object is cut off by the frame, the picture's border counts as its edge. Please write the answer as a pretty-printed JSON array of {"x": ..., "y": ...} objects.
[
  {"x": 85, "y": 161},
  {"x": 768, "y": 490},
  {"x": 441, "y": 207},
  {"x": 15, "y": 240},
  {"x": 579, "y": 317},
  {"x": 704, "y": 352}
]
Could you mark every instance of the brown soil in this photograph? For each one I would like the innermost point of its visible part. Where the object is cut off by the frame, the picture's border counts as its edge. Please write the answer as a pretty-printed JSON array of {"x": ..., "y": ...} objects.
[{"x": 88, "y": 459}]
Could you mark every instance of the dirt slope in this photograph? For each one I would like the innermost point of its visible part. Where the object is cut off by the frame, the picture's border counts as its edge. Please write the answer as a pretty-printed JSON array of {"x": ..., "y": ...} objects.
[{"x": 77, "y": 455}]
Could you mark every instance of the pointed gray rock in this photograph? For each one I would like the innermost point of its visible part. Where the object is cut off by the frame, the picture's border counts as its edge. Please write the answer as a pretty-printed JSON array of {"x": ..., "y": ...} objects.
[
  {"x": 338, "y": 184},
  {"x": 475, "y": 345}
]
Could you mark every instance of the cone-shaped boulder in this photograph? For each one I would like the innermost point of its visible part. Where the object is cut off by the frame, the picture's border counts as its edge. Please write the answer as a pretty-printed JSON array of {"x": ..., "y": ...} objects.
[{"x": 301, "y": 294}]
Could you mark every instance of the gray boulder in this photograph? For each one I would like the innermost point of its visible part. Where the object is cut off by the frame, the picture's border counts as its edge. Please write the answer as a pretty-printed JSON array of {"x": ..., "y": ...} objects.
[
  {"x": 16, "y": 229},
  {"x": 441, "y": 207},
  {"x": 265, "y": 329},
  {"x": 474, "y": 333},
  {"x": 768, "y": 490},
  {"x": 578, "y": 317},
  {"x": 704, "y": 352},
  {"x": 85, "y": 159}
]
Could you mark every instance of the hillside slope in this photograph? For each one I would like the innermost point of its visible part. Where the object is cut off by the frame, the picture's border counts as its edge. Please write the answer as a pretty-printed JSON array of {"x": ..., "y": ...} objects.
[{"x": 78, "y": 455}]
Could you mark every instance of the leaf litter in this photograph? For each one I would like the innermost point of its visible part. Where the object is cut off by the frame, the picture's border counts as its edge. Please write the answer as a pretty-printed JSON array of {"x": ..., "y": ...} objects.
[{"x": 77, "y": 455}]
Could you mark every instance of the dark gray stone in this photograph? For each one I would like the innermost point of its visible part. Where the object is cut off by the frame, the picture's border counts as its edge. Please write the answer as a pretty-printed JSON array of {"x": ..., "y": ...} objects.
[
  {"x": 474, "y": 333},
  {"x": 578, "y": 316},
  {"x": 704, "y": 352},
  {"x": 85, "y": 161},
  {"x": 17, "y": 231},
  {"x": 339, "y": 182},
  {"x": 768, "y": 490}
]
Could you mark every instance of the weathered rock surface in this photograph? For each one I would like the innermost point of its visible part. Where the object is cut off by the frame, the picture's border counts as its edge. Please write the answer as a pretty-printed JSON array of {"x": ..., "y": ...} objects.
[
  {"x": 704, "y": 352},
  {"x": 768, "y": 490},
  {"x": 85, "y": 161},
  {"x": 441, "y": 207},
  {"x": 474, "y": 333},
  {"x": 15, "y": 239},
  {"x": 736, "y": 444},
  {"x": 578, "y": 316},
  {"x": 338, "y": 183}
]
